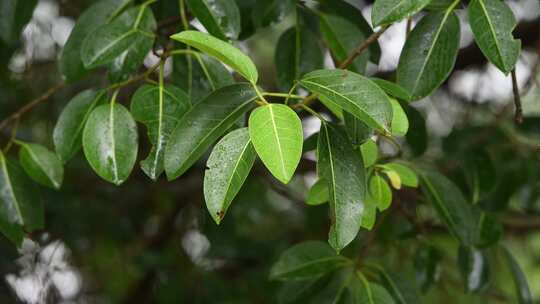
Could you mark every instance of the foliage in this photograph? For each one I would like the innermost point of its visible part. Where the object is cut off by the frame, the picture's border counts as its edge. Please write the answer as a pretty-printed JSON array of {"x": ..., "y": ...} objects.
[{"x": 368, "y": 150}]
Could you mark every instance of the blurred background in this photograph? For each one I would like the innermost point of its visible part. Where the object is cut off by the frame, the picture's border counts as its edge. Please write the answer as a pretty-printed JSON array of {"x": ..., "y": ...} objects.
[{"x": 153, "y": 242}]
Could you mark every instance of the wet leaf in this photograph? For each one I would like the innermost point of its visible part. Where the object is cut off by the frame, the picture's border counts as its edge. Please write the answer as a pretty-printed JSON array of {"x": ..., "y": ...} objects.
[
  {"x": 41, "y": 165},
  {"x": 318, "y": 193},
  {"x": 221, "y": 18},
  {"x": 389, "y": 11}
]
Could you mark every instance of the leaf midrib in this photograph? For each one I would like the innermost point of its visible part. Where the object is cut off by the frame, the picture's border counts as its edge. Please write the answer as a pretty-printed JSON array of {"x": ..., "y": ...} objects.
[
  {"x": 278, "y": 142},
  {"x": 333, "y": 175},
  {"x": 307, "y": 264},
  {"x": 229, "y": 182},
  {"x": 492, "y": 32}
]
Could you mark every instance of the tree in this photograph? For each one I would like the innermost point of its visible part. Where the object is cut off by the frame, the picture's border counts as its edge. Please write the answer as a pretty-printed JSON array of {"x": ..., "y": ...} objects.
[{"x": 396, "y": 214}]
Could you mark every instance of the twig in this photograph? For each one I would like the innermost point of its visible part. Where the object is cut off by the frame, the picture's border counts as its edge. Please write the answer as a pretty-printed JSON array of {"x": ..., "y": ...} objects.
[
  {"x": 518, "y": 112},
  {"x": 29, "y": 106},
  {"x": 408, "y": 27},
  {"x": 362, "y": 47}
]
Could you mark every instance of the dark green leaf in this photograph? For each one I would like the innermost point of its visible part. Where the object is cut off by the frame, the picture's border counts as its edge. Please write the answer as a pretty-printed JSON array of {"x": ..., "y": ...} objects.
[
  {"x": 429, "y": 54},
  {"x": 267, "y": 12},
  {"x": 68, "y": 131},
  {"x": 490, "y": 231},
  {"x": 345, "y": 10},
  {"x": 342, "y": 167},
  {"x": 111, "y": 40},
  {"x": 71, "y": 64},
  {"x": 451, "y": 206},
  {"x": 492, "y": 23},
  {"x": 297, "y": 53},
  {"x": 159, "y": 108},
  {"x": 310, "y": 143},
  {"x": 220, "y": 17},
  {"x": 439, "y": 4},
  {"x": 305, "y": 261},
  {"x": 363, "y": 292},
  {"x": 389, "y": 11},
  {"x": 358, "y": 131},
  {"x": 391, "y": 88},
  {"x": 20, "y": 204},
  {"x": 222, "y": 51},
  {"x": 201, "y": 126},
  {"x": 14, "y": 15},
  {"x": 520, "y": 281},
  {"x": 199, "y": 75},
  {"x": 227, "y": 168},
  {"x": 402, "y": 286},
  {"x": 318, "y": 193},
  {"x": 417, "y": 136},
  {"x": 480, "y": 173},
  {"x": 342, "y": 37},
  {"x": 427, "y": 266},
  {"x": 296, "y": 291},
  {"x": 276, "y": 133},
  {"x": 353, "y": 93},
  {"x": 41, "y": 165},
  {"x": 246, "y": 15},
  {"x": 110, "y": 142},
  {"x": 131, "y": 59},
  {"x": 474, "y": 268},
  {"x": 380, "y": 192}
]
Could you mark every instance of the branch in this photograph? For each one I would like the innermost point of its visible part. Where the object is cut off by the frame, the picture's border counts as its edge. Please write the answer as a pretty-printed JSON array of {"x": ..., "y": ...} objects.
[
  {"x": 362, "y": 47},
  {"x": 32, "y": 104},
  {"x": 518, "y": 116}
]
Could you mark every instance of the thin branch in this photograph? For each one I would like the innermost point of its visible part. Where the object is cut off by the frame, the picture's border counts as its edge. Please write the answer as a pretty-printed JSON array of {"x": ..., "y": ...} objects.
[
  {"x": 362, "y": 47},
  {"x": 32, "y": 104},
  {"x": 518, "y": 112}
]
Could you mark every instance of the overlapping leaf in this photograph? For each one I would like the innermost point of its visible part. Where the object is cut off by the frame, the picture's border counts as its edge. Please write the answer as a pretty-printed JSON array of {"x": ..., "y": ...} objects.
[
  {"x": 41, "y": 165},
  {"x": 201, "y": 126},
  {"x": 389, "y": 11},
  {"x": 227, "y": 168},
  {"x": 220, "y": 17}
]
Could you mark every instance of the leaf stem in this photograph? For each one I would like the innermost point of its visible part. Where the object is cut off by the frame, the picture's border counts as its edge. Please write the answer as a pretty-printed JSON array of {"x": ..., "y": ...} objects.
[
  {"x": 264, "y": 101},
  {"x": 518, "y": 114},
  {"x": 314, "y": 113},
  {"x": 284, "y": 95}
]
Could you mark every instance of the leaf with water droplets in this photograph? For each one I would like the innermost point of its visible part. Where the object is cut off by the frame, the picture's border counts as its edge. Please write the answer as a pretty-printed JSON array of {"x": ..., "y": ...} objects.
[
  {"x": 110, "y": 142},
  {"x": 318, "y": 193},
  {"x": 342, "y": 167},
  {"x": 389, "y": 11},
  {"x": 353, "y": 93},
  {"x": 159, "y": 108},
  {"x": 222, "y": 51},
  {"x": 41, "y": 165},
  {"x": 227, "y": 168},
  {"x": 67, "y": 134},
  {"x": 221, "y": 18},
  {"x": 276, "y": 133},
  {"x": 201, "y": 126},
  {"x": 20, "y": 204},
  {"x": 492, "y": 23}
]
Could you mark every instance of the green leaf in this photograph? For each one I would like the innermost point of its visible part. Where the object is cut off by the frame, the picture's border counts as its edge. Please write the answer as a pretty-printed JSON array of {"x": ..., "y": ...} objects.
[
  {"x": 401, "y": 285},
  {"x": 110, "y": 142},
  {"x": 391, "y": 88},
  {"x": 400, "y": 122},
  {"x": 370, "y": 213},
  {"x": 159, "y": 108},
  {"x": 318, "y": 193},
  {"x": 341, "y": 166},
  {"x": 98, "y": 14},
  {"x": 492, "y": 23},
  {"x": 227, "y": 169},
  {"x": 451, "y": 206},
  {"x": 380, "y": 192},
  {"x": 390, "y": 11},
  {"x": 490, "y": 231},
  {"x": 394, "y": 178},
  {"x": 246, "y": 8},
  {"x": 276, "y": 133},
  {"x": 427, "y": 266},
  {"x": 474, "y": 268},
  {"x": 310, "y": 143},
  {"x": 520, "y": 281},
  {"x": 364, "y": 292},
  {"x": 67, "y": 134},
  {"x": 342, "y": 9},
  {"x": 109, "y": 41},
  {"x": 14, "y": 15},
  {"x": 306, "y": 260},
  {"x": 267, "y": 12},
  {"x": 342, "y": 37},
  {"x": 358, "y": 131},
  {"x": 221, "y": 18},
  {"x": 370, "y": 152},
  {"x": 41, "y": 165},
  {"x": 480, "y": 173},
  {"x": 131, "y": 59},
  {"x": 297, "y": 53},
  {"x": 201, "y": 126},
  {"x": 417, "y": 137},
  {"x": 296, "y": 291},
  {"x": 222, "y": 51},
  {"x": 200, "y": 74},
  {"x": 429, "y": 54},
  {"x": 439, "y": 4},
  {"x": 353, "y": 93},
  {"x": 20, "y": 203},
  {"x": 407, "y": 175}
]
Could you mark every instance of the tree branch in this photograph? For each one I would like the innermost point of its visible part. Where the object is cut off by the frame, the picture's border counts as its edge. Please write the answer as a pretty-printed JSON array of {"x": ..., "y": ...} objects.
[
  {"x": 362, "y": 47},
  {"x": 518, "y": 112}
]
